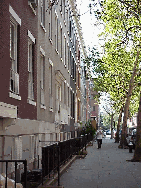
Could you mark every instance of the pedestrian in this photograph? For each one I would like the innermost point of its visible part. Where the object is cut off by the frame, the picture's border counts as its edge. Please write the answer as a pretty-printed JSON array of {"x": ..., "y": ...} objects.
[{"x": 99, "y": 137}]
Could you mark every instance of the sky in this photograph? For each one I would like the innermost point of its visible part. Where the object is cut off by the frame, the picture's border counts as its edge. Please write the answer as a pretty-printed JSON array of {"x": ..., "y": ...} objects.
[{"x": 89, "y": 29}]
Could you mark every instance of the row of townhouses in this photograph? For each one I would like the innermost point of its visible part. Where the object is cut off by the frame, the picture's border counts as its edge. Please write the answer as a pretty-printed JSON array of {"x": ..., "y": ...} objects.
[{"x": 44, "y": 92}]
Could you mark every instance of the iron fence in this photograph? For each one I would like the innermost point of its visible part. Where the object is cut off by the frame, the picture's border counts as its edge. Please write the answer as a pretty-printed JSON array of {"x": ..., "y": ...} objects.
[
  {"x": 16, "y": 162},
  {"x": 51, "y": 154}
]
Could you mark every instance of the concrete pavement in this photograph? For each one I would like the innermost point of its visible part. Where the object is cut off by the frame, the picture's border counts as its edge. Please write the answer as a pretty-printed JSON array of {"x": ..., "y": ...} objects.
[{"x": 103, "y": 168}]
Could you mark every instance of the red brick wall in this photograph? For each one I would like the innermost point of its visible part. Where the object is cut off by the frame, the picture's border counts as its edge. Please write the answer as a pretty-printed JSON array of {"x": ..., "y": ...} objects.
[{"x": 28, "y": 22}]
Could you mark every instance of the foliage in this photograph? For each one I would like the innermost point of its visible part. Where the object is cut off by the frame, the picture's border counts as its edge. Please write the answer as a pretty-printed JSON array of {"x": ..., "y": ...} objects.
[
  {"x": 114, "y": 71},
  {"x": 89, "y": 128}
]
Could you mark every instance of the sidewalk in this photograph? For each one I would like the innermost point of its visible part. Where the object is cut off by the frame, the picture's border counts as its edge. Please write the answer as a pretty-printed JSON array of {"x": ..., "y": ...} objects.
[{"x": 103, "y": 168}]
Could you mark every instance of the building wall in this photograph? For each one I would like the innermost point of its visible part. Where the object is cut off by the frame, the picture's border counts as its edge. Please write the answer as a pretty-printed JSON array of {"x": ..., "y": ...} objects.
[
  {"x": 24, "y": 122},
  {"x": 28, "y": 22}
]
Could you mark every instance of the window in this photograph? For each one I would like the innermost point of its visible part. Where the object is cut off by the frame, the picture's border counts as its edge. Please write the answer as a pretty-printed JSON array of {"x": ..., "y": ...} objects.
[
  {"x": 68, "y": 95},
  {"x": 65, "y": 97},
  {"x": 68, "y": 53},
  {"x": 50, "y": 85},
  {"x": 70, "y": 25},
  {"x": 71, "y": 104},
  {"x": 30, "y": 71},
  {"x": 42, "y": 81},
  {"x": 43, "y": 13},
  {"x": 56, "y": 34},
  {"x": 15, "y": 23},
  {"x": 50, "y": 80},
  {"x": 61, "y": 6},
  {"x": 73, "y": 69},
  {"x": 31, "y": 42},
  {"x": 65, "y": 53},
  {"x": 61, "y": 40},
  {"x": 93, "y": 108},
  {"x": 64, "y": 8},
  {"x": 14, "y": 76},
  {"x": 50, "y": 24}
]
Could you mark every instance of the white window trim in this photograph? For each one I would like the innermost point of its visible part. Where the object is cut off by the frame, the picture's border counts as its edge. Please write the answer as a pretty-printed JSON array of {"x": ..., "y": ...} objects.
[
  {"x": 42, "y": 51},
  {"x": 29, "y": 101},
  {"x": 14, "y": 96},
  {"x": 32, "y": 8},
  {"x": 43, "y": 27},
  {"x": 31, "y": 98},
  {"x": 31, "y": 37},
  {"x": 50, "y": 62},
  {"x": 15, "y": 16},
  {"x": 43, "y": 107}
]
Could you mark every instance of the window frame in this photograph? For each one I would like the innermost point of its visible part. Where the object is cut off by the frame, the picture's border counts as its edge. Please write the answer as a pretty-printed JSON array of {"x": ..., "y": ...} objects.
[{"x": 43, "y": 13}]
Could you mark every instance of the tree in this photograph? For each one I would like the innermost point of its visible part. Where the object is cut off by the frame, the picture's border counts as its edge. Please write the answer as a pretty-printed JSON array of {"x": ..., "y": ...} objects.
[
  {"x": 137, "y": 154},
  {"x": 122, "y": 52}
]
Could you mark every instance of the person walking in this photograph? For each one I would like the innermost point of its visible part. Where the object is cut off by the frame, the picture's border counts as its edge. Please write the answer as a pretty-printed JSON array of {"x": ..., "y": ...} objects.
[{"x": 99, "y": 137}]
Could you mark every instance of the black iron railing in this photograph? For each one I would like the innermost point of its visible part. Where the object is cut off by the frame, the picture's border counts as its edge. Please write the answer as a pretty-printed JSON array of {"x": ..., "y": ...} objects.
[
  {"x": 16, "y": 162},
  {"x": 57, "y": 154}
]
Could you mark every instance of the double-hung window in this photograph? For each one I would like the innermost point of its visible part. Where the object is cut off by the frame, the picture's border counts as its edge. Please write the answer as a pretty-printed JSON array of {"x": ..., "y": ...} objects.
[
  {"x": 65, "y": 51},
  {"x": 50, "y": 85},
  {"x": 43, "y": 13},
  {"x": 56, "y": 34},
  {"x": 15, "y": 23},
  {"x": 31, "y": 42},
  {"x": 42, "y": 81},
  {"x": 50, "y": 25},
  {"x": 61, "y": 41},
  {"x": 64, "y": 8}
]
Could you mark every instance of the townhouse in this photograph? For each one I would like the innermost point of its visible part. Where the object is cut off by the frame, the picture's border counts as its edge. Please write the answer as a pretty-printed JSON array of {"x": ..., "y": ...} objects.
[{"x": 43, "y": 86}]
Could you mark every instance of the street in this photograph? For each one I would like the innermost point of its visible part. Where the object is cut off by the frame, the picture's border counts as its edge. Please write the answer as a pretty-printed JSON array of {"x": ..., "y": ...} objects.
[{"x": 103, "y": 168}]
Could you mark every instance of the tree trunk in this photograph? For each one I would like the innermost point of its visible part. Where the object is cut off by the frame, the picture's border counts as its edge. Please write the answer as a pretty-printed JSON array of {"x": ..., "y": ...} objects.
[
  {"x": 118, "y": 126},
  {"x": 112, "y": 125},
  {"x": 137, "y": 154},
  {"x": 123, "y": 141}
]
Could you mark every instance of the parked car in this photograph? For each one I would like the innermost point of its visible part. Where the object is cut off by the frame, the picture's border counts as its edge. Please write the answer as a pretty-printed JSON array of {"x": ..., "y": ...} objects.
[{"x": 109, "y": 133}]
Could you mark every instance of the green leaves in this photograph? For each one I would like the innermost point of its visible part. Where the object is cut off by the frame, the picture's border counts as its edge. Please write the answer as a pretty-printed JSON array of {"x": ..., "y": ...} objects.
[{"x": 113, "y": 72}]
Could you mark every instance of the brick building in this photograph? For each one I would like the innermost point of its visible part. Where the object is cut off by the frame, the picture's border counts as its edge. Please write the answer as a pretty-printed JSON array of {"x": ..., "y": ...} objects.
[{"x": 42, "y": 74}]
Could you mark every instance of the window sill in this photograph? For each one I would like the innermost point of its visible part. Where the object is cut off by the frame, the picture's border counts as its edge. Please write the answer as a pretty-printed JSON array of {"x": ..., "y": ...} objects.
[
  {"x": 32, "y": 8},
  {"x": 61, "y": 59},
  {"x": 29, "y": 101},
  {"x": 65, "y": 23},
  {"x": 50, "y": 40},
  {"x": 43, "y": 107},
  {"x": 43, "y": 28},
  {"x": 57, "y": 51},
  {"x": 61, "y": 12},
  {"x": 14, "y": 96},
  {"x": 50, "y": 109}
]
